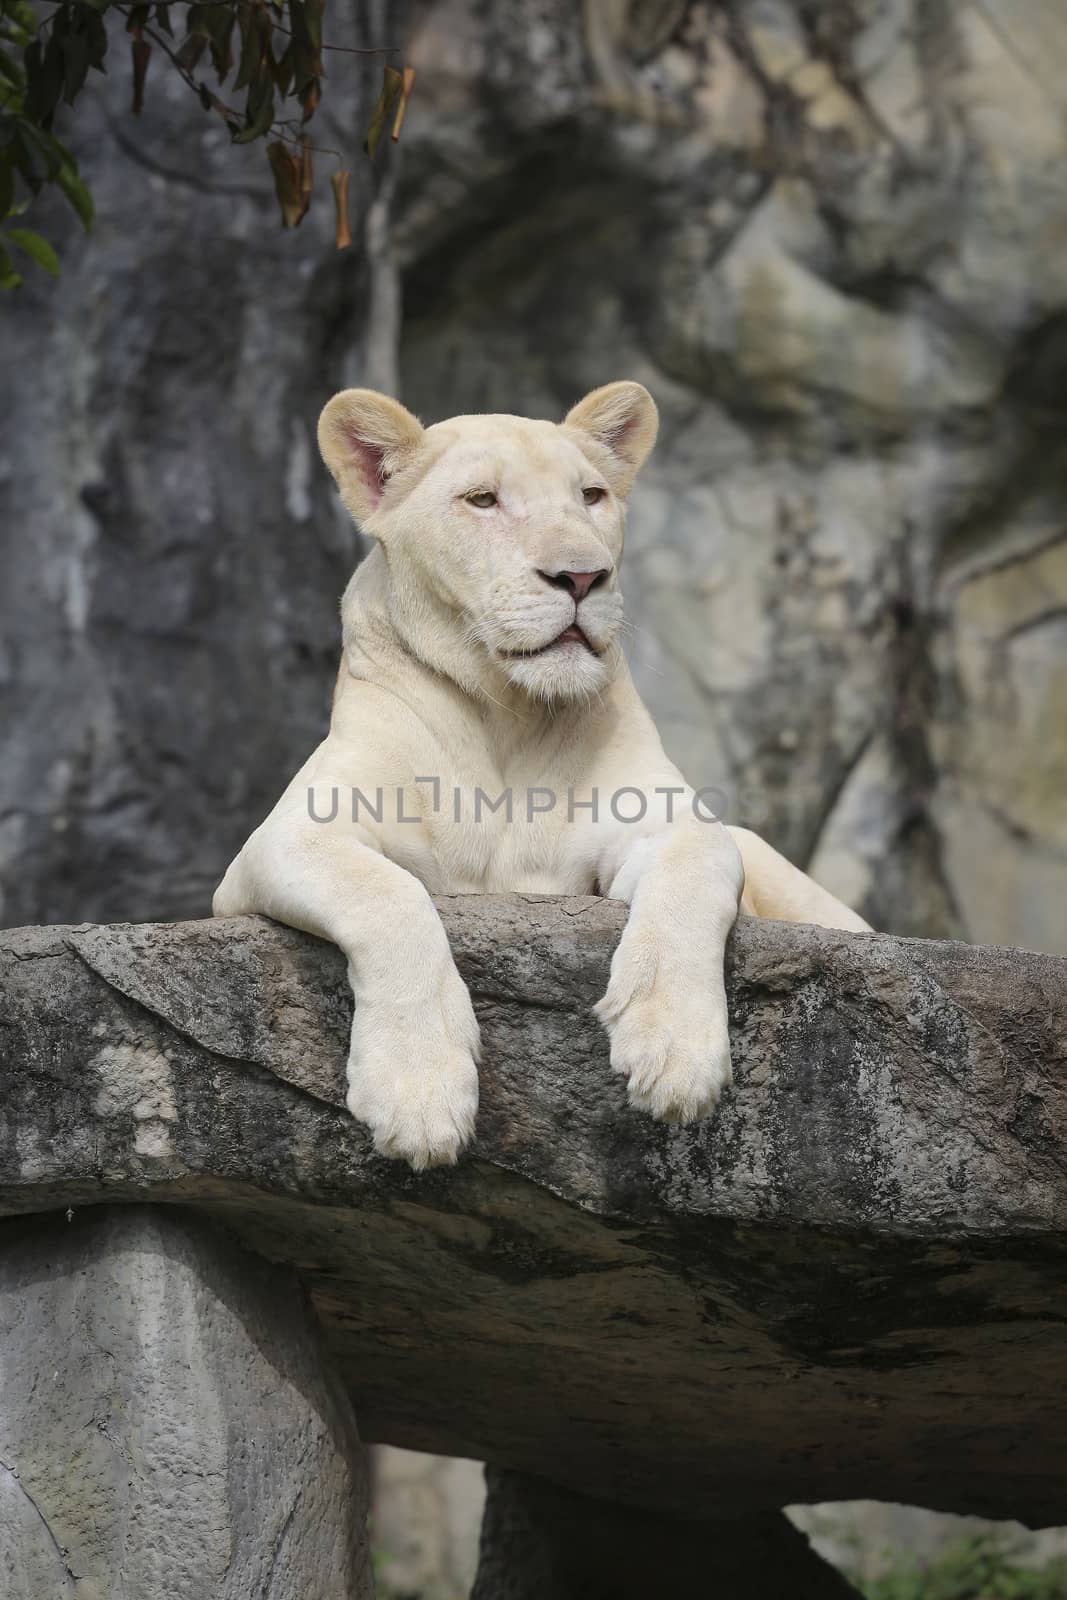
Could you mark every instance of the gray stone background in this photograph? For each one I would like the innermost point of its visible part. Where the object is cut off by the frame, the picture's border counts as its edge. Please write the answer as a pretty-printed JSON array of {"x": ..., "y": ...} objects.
[{"x": 831, "y": 238}]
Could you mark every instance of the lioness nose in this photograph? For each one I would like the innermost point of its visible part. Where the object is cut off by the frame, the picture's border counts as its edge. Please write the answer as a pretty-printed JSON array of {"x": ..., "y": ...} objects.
[{"x": 577, "y": 583}]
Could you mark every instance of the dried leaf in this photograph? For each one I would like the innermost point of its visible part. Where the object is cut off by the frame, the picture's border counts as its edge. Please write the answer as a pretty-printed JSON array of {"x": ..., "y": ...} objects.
[
  {"x": 405, "y": 95},
  {"x": 392, "y": 88},
  {"x": 141, "y": 51},
  {"x": 305, "y": 171},
  {"x": 287, "y": 182},
  {"x": 340, "y": 200},
  {"x": 190, "y": 50},
  {"x": 309, "y": 99}
]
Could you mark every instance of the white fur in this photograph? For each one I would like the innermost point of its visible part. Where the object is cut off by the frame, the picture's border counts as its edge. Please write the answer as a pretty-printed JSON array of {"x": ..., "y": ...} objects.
[{"x": 449, "y": 671}]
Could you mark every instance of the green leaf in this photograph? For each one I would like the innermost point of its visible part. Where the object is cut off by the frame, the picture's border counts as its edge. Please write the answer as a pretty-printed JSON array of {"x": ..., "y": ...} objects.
[
  {"x": 313, "y": 12},
  {"x": 248, "y": 65},
  {"x": 32, "y": 58},
  {"x": 9, "y": 278},
  {"x": 75, "y": 48},
  {"x": 96, "y": 39},
  {"x": 78, "y": 195},
  {"x": 11, "y": 71},
  {"x": 257, "y": 59},
  {"x": 36, "y": 248},
  {"x": 7, "y": 183},
  {"x": 221, "y": 46},
  {"x": 259, "y": 111},
  {"x": 298, "y": 23},
  {"x": 22, "y": 18},
  {"x": 283, "y": 70},
  {"x": 32, "y": 155},
  {"x": 198, "y": 19},
  {"x": 306, "y": 53},
  {"x": 214, "y": 21},
  {"x": 44, "y": 78}
]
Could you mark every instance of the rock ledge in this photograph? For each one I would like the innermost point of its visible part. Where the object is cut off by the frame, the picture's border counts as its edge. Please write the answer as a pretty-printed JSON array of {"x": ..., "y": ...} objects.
[{"x": 849, "y": 1283}]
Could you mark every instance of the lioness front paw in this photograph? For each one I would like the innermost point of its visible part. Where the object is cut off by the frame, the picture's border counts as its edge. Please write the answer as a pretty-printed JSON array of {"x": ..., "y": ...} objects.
[
  {"x": 669, "y": 1035},
  {"x": 413, "y": 1076}
]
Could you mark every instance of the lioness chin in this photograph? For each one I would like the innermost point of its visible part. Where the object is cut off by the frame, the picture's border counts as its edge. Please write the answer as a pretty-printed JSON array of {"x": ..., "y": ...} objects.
[{"x": 481, "y": 658}]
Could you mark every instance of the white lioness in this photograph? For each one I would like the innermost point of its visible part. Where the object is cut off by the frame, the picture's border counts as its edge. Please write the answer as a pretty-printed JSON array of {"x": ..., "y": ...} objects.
[{"x": 486, "y": 737}]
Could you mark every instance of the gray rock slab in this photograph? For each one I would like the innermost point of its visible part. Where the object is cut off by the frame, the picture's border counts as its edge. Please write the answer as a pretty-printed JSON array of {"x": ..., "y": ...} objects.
[{"x": 849, "y": 1283}]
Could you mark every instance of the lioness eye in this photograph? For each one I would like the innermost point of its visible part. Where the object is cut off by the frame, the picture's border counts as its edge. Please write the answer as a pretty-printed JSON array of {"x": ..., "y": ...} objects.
[
  {"x": 482, "y": 498},
  {"x": 593, "y": 495}
]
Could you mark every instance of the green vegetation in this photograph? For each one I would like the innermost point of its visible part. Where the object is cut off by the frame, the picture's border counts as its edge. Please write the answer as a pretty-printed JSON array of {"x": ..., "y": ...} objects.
[
  {"x": 274, "y": 48},
  {"x": 978, "y": 1568}
]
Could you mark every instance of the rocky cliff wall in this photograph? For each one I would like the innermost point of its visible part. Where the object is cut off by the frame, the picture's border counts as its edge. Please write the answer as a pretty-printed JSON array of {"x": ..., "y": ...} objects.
[{"x": 832, "y": 240}]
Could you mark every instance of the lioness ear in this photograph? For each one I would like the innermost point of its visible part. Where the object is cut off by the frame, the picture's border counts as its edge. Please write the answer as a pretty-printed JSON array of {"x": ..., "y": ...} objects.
[
  {"x": 622, "y": 421},
  {"x": 364, "y": 438}
]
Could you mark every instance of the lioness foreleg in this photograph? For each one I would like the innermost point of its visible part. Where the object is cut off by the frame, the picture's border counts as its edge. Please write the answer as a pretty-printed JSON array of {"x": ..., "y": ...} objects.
[
  {"x": 412, "y": 1074},
  {"x": 665, "y": 1006}
]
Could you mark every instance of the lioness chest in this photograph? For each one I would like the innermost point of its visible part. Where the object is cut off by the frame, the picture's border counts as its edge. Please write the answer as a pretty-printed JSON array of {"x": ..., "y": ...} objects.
[
  {"x": 467, "y": 806},
  {"x": 490, "y": 839}
]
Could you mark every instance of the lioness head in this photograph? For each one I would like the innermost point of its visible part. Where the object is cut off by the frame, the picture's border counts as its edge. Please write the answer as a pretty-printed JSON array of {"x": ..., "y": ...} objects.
[{"x": 502, "y": 535}]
